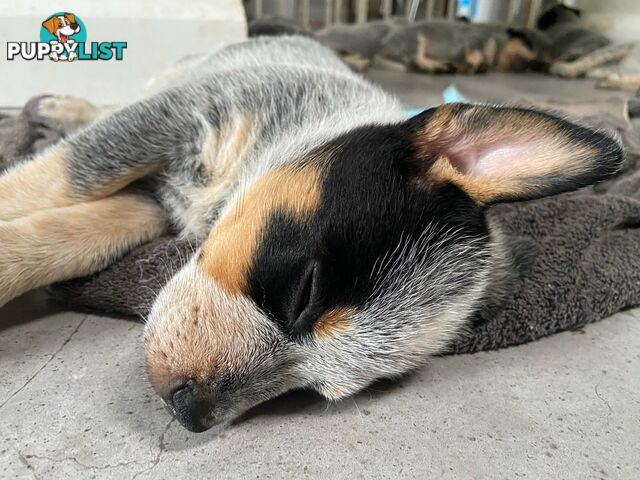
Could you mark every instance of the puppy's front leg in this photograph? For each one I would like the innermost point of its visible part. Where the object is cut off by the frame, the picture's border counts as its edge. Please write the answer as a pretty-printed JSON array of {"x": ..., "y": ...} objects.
[
  {"x": 61, "y": 243},
  {"x": 38, "y": 184},
  {"x": 105, "y": 157}
]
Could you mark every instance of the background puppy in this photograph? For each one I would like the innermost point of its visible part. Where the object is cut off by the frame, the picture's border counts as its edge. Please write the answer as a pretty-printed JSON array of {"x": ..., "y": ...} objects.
[
  {"x": 440, "y": 46},
  {"x": 435, "y": 46}
]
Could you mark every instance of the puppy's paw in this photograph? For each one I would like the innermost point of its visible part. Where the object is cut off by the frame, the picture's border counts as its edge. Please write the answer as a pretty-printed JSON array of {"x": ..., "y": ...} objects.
[{"x": 64, "y": 111}]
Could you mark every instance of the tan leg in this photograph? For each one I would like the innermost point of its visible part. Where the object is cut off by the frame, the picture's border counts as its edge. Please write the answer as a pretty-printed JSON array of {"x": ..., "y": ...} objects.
[
  {"x": 61, "y": 243},
  {"x": 44, "y": 183},
  {"x": 36, "y": 185}
]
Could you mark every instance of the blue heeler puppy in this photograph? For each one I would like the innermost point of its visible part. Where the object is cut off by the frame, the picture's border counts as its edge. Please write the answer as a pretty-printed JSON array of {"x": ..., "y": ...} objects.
[{"x": 342, "y": 242}]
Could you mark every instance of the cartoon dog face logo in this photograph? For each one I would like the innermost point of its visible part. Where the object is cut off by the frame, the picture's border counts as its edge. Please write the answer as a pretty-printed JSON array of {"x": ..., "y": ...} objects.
[{"x": 62, "y": 26}]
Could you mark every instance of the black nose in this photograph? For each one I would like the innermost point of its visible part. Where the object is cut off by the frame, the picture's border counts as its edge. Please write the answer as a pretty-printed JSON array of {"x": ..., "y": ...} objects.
[
  {"x": 189, "y": 405},
  {"x": 73, "y": 25}
]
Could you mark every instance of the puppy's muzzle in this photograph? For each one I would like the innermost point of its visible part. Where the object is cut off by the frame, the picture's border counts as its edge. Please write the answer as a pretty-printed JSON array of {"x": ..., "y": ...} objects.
[{"x": 188, "y": 404}]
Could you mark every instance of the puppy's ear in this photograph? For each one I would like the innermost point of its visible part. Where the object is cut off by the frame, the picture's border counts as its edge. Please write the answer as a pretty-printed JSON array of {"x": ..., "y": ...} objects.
[
  {"x": 498, "y": 154},
  {"x": 51, "y": 24},
  {"x": 71, "y": 17}
]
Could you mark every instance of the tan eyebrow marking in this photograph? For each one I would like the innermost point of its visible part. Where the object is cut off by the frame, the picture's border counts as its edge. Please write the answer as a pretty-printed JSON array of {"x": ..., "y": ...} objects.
[{"x": 228, "y": 252}]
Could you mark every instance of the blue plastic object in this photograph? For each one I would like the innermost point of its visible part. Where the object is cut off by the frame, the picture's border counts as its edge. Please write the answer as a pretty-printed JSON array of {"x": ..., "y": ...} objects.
[{"x": 449, "y": 95}]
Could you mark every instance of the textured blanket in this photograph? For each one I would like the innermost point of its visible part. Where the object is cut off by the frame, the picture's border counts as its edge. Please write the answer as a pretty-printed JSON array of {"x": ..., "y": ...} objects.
[{"x": 579, "y": 253}]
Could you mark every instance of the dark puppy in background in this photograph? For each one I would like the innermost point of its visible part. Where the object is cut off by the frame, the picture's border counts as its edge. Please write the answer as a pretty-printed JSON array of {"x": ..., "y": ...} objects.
[
  {"x": 436, "y": 46},
  {"x": 441, "y": 46},
  {"x": 568, "y": 38},
  {"x": 458, "y": 47},
  {"x": 343, "y": 243},
  {"x": 574, "y": 50}
]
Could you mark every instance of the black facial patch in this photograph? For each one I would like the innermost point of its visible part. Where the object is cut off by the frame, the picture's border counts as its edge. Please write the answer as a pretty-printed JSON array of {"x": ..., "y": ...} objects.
[{"x": 370, "y": 202}]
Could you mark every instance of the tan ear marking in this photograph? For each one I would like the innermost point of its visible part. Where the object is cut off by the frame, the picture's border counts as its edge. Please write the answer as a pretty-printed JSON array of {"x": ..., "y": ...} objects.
[
  {"x": 482, "y": 191},
  {"x": 437, "y": 126},
  {"x": 495, "y": 153}
]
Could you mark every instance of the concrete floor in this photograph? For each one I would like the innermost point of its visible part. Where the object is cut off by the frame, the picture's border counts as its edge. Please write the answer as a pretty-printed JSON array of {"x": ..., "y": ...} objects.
[
  {"x": 75, "y": 404},
  {"x": 74, "y": 401}
]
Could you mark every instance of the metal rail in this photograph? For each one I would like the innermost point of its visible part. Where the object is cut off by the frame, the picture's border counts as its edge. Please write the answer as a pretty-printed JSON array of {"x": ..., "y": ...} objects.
[{"x": 320, "y": 13}]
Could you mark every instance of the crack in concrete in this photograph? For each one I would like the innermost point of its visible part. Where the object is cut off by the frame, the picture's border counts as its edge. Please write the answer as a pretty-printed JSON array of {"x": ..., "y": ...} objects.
[
  {"x": 161, "y": 449},
  {"x": 26, "y": 463},
  {"x": 78, "y": 462},
  {"x": 30, "y": 379},
  {"x": 605, "y": 401},
  {"x": 24, "y": 458}
]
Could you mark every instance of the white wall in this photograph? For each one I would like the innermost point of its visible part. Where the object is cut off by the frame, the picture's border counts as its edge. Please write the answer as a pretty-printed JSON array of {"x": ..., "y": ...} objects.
[
  {"x": 158, "y": 33},
  {"x": 619, "y": 19}
]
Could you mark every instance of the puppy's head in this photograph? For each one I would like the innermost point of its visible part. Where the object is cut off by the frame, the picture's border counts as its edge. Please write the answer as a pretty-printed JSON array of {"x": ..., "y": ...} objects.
[
  {"x": 62, "y": 26},
  {"x": 358, "y": 261},
  {"x": 557, "y": 14}
]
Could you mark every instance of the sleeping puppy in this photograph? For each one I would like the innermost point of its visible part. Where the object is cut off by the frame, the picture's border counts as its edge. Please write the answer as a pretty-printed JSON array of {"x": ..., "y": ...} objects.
[
  {"x": 358, "y": 45},
  {"x": 343, "y": 243},
  {"x": 439, "y": 46},
  {"x": 569, "y": 38},
  {"x": 431, "y": 46}
]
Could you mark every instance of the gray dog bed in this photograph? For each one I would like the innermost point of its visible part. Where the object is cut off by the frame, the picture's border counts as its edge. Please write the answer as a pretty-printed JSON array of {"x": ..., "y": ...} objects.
[{"x": 579, "y": 253}]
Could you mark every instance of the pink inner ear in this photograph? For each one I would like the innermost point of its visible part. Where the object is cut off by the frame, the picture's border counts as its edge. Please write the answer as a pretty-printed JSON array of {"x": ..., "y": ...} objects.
[{"x": 499, "y": 158}]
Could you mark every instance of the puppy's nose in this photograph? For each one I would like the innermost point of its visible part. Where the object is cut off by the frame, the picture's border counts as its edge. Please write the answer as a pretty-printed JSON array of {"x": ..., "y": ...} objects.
[
  {"x": 189, "y": 405},
  {"x": 74, "y": 26}
]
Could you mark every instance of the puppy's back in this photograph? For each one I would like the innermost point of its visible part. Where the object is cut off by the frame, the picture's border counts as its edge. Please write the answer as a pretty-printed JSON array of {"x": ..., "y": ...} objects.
[{"x": 288, "y": 53}]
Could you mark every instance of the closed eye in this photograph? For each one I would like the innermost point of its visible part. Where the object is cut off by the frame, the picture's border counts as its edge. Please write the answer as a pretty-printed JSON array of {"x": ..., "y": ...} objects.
[{"x": 304, "y": 307}]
